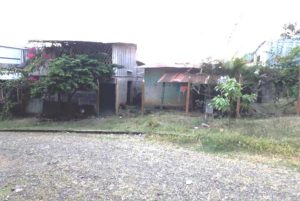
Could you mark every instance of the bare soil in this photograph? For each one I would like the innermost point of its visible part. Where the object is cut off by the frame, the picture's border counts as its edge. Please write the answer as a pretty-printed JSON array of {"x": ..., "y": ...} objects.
[{"x": 61, "y": 166}]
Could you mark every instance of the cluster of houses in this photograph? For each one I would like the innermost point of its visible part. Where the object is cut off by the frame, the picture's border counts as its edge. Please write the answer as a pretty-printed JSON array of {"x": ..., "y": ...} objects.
[
  {"x": 148, "y": 86},
  {"x": 160, "y": 85}
]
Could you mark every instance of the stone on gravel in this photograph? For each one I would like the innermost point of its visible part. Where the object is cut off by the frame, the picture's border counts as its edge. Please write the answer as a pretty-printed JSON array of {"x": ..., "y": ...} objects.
[
  {"x": 17, "y": 189},
  {"x": 214, "y": 195},
  {"x": 188, "y": 182}
]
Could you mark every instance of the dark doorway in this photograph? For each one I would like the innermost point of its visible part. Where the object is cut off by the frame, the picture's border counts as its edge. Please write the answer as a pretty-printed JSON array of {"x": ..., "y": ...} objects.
[
  {"x": 129, "y": 84},
  {"x": 107, "y": 97}
]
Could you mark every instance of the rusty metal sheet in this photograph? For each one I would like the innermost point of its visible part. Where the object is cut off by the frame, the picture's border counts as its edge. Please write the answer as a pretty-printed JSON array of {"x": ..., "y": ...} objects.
[{"x": 184, "y": 78}]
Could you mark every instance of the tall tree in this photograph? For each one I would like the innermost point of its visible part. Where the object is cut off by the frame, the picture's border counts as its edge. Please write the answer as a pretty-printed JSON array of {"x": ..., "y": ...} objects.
[
  {"x": 292, "y": 60},
  {"x": 291, "y": 31}
]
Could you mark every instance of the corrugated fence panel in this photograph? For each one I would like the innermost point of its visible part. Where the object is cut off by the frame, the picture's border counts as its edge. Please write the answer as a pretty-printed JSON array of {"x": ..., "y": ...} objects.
[{"x": 125, "y": 55}]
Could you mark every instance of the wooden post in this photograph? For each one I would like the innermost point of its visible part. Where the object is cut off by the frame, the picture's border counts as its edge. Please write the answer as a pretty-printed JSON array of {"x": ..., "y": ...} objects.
[
  {"x": 1, "y": 94},
  {"x": 18, "y": 95},
  {"x": 187, "y": 100},
  {"x": 117, "y": 96},
  {"x": 162, "y": 95},
  {"x": 298, "y": 99},
  {"x": 143, "y": 98},
  {"x": 98, "y": 98}
]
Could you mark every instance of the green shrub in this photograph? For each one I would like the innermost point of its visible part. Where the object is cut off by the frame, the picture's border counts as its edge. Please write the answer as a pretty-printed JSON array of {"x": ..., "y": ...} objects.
[{"x": 228, "y": 142}]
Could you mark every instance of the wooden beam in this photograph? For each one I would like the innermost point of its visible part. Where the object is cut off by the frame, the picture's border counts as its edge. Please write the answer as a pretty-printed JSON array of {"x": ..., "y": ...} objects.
[
  {"x": 187, "y": 100},
  {"x": 162, "y": 95},
  {"x": 143, "y": 98},
  {"x": 117, "y": 96}
]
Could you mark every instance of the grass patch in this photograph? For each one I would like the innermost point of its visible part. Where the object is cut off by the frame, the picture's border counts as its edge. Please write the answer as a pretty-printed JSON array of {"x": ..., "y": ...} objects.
[
  {"x": 276, "y": 136},
  {"x": 229, "y": 142},
  {"x": 5, "y": 191},
  {"x": 178, "y": 139}
]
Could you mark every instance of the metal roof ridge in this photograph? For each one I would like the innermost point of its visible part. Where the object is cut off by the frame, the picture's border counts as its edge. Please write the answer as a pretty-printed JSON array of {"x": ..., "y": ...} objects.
[{"x": 77, "y": 41}]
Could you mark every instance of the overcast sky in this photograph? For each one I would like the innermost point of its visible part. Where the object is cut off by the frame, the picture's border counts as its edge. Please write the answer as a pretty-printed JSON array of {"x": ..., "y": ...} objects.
[{"x": 165, "y": 31}]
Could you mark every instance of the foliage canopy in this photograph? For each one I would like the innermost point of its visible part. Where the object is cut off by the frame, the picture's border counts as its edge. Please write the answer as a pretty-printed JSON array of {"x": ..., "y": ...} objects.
[{"x": 67, "y": 74}]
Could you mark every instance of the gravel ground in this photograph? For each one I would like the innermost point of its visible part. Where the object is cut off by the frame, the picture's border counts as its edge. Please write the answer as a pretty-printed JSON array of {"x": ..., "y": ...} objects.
[{"x": 37, "y": 166}]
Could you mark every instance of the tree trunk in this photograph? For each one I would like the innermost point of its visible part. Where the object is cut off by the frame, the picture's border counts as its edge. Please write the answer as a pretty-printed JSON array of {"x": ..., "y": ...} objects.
[
  {"x": 238, "y": 102},
  {"x": 59, "y": 104},
  {"x": 298, "y": 99},
  {"x": 287, "y": 93},
  {"x": 70, "y": 109},
  {"x": 70, "y": 96},
  {"x": 69, "y": 106},
  {"x": 98, "y": 98}
]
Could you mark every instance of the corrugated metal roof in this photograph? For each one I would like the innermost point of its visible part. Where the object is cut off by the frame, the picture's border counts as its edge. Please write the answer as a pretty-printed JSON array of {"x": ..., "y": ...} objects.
[
  {"x": 212, "y": 64},
  {"x": 184, "y": 78},
  {"x": 79, "y": 42},
  {"x": 171, "y": 65}
]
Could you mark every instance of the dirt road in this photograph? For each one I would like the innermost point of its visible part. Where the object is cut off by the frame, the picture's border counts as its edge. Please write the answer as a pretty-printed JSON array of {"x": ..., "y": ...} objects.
[{"x": 37, "y": 166}]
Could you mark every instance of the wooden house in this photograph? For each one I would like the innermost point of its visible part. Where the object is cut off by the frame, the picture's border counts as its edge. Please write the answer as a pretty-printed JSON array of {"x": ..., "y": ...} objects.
[
  {"x": 178, "y": 86},
  {"x": 124, "y": 86}
]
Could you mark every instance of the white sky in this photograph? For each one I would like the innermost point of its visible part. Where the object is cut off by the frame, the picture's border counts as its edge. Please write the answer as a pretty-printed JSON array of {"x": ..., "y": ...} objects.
[{"x": 164, "y": 30}]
